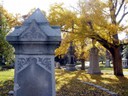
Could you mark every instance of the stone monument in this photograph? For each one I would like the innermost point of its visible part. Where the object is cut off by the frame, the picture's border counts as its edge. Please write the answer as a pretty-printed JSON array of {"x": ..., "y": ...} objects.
[
  {"x": 125, "y": 58},
  {"x": 108, "y": 56},
  {"x": 94, "y": 60},
  {"x": 124, "y": 63},
  {"x": 70, "y": 66},
  {"x": 34, "y": 43}
]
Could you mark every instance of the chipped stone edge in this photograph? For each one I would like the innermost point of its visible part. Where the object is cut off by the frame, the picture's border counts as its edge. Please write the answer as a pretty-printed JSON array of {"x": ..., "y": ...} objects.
[{"x": 99, "y": 87}]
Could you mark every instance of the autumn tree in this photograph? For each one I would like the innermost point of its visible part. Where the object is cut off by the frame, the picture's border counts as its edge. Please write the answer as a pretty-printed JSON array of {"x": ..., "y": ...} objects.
[
  {"x": 66, "y": 19},
  {"x": 102, "y": 21},
  {"x": 7, "y": 21},
  {"x": 82, "y": 51},
  {"x": 69, "y": 21}
]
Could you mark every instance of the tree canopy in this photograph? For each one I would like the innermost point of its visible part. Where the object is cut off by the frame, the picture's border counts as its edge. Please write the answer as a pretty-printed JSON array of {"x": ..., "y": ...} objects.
[
  {"x": 102, "y": 22},
  {"x": 97, "y": 20}
]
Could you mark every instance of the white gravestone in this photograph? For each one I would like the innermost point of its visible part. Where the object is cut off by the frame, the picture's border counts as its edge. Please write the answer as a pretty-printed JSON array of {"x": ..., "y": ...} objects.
[
  {"x": 125, "y": 63},
  {"x": 94, "y": 62},
  {"x": 34, "y": 43}
]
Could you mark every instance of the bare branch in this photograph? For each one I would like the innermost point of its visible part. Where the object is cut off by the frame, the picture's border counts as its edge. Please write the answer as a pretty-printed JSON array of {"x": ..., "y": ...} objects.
[
  {"x": 124, "y": 9},
  {"x": 116, "y": 3},
  {"x": 122, "y": 17},
  {"x": 118, "y": 11}
]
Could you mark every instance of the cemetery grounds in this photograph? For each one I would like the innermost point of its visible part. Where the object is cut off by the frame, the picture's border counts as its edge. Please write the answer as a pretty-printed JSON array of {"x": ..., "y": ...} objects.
[{"x": 68, "y": 84}]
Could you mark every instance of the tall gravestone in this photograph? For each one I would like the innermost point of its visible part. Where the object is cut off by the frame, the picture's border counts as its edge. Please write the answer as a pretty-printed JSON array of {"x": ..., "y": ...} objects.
[
  {"x": 34, "y": 43},
  {"x": 94, "y": 62},
  {"x": 70, "y": 66}
]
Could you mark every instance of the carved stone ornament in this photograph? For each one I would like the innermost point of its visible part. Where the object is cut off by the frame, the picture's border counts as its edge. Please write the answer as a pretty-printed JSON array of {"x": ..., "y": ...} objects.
[
  {"x": 33, "y": 33},
  {"x": 22, "y": 63}
]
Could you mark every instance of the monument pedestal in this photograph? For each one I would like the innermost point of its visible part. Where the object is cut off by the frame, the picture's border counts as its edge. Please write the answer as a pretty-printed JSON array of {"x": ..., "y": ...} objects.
[
  {"x": 94, "y": 62},
  {"x": 70, "y": 67}
]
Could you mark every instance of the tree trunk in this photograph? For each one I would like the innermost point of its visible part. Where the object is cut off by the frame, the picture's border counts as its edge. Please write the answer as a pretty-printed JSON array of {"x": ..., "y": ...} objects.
[
  {"x": 82, "y": 64},
  {"x": 117, "y": 61}
]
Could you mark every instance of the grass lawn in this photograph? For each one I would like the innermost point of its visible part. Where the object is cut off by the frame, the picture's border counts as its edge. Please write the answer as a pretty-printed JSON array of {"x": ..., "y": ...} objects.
[
  {"x": 6, "y": 81},
  {"x": 68, "y": 85}
]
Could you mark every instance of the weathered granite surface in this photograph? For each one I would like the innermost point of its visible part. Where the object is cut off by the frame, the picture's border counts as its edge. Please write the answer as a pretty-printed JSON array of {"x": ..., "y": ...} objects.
[{"x": 34, "y": 43}]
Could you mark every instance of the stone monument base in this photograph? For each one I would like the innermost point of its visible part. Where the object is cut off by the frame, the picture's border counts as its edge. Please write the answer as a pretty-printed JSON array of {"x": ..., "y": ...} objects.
[
  {"x": 70, "y": 67},
  {"x": 94, "y": 71}
]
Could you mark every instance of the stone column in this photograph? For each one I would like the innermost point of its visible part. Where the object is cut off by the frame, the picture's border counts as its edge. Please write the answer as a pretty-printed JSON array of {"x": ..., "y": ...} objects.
[
  {"x": 34, "y": 43},
  {"x": 94, "y": 63}
]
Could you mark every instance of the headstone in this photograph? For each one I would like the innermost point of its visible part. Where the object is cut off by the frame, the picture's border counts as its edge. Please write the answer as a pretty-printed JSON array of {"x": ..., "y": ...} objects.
[
  {"x": 125, "y": 63},
  {"x": 108, "y": 57},
  {"x": 107, "y": 64},
  {"x": 57, "y": 65},
  {"x": 70, "y": 66},
  {"x": 94, "y": 62},
  {"x": 34, "y": 43}
]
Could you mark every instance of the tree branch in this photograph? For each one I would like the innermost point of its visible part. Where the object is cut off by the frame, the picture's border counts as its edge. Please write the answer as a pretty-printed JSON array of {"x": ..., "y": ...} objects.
[
  {"x": 102, "y": 41},
  {"x": 65, "y": 31},
  {"x": 112, "y": 6},
  {"x": 116, "y": 3},
  {"x": 119, "y": 8},
  {"x": 123, "y": 42},
  {"x": 122, "y": 17}
]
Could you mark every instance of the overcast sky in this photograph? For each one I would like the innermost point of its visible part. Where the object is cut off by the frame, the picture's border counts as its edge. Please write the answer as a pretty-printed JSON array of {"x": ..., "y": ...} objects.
[{"x": 24, "y": 6}]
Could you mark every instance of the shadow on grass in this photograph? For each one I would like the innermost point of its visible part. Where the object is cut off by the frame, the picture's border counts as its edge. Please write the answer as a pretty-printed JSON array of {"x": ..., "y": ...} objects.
[
  {"x": 5, "y": 87},
  {"x": 117, "y": 84},
  {"x": 72, "y": 87},
  {"x": 77, "y": 88}
]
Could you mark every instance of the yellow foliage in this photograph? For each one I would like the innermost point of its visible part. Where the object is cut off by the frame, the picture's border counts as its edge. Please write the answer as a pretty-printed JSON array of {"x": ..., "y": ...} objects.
[
  {"x": 11, "y": 20},
  {"x": 68, "y": 81}
]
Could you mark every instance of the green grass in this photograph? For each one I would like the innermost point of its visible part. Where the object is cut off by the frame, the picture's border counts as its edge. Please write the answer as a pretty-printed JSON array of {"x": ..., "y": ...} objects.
[
  {"x": 6, "y": 75},
  {"x": 6, "y": 81},
  {"x": 68, "y": 85}
]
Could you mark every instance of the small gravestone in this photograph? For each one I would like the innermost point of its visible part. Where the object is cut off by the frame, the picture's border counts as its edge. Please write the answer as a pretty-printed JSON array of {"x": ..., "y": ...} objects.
[
  {"x": 34, "y": 43},
  {"x": 70, "y": 66},
  {"x": 94, "y": 62},
  {"x": 107, "y": 64},
  {"x": 57, "y": 65},
  {"x": 108, "y": 57},
  {"x": 125, "y": 63}
]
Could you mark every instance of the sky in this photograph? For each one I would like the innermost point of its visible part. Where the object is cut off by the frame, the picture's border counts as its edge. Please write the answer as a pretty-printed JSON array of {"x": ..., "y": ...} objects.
[{"x": 24, "y": 6}]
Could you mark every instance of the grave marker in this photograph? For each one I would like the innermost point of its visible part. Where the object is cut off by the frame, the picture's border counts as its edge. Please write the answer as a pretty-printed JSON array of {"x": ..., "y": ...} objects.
[{"x": 34, "y": 43}]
